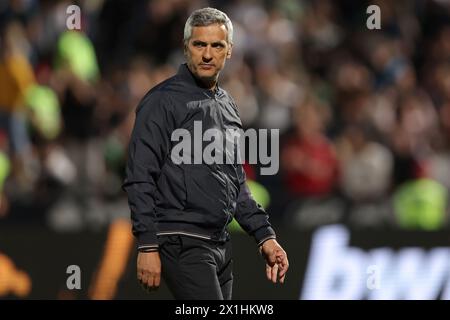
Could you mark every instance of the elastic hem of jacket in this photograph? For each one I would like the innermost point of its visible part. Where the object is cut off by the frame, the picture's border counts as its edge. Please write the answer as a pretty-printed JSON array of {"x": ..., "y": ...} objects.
[
  {"x": 189, "y": 234},
  {"x": 191, "y": 230},
  {"x": 148, "y": 246}
]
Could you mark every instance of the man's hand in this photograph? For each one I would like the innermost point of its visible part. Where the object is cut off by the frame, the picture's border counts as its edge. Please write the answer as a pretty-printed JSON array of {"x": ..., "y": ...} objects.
[
  {"x": 149, "y": 270},
  {"x": 277, "y": 262}
]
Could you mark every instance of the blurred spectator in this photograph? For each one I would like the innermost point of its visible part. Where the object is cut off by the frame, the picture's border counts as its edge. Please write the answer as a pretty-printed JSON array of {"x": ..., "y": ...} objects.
[
  {"x": 309, "y": 160},
  {"x": 5, "y": 170},
  {"x": 365, "y": 165},
  {"x": 16, "y": 76},
  {"x": 411, "y": 137},
  {"x": 365, "y": 177},
  {"x": 421, "y": 204}
]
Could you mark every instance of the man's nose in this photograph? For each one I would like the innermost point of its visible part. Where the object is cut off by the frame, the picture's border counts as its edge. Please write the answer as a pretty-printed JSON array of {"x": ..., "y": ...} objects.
[{"x": 207, "y": 54}]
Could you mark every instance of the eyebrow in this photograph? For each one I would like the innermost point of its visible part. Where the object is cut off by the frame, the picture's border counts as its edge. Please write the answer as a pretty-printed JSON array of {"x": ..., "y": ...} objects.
[{"x": 203, "y": 43}]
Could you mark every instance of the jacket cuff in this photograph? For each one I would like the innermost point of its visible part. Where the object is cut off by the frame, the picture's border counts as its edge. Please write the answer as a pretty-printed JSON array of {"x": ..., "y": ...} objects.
[
  {"x": 148, "y": 248},
  {"x": 147, "y": 242},
  {"x": 263, "y": 234}
]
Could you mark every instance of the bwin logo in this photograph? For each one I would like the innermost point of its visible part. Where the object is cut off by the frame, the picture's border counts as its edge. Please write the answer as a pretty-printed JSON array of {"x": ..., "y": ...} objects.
[{"x": 337, "y": 271}]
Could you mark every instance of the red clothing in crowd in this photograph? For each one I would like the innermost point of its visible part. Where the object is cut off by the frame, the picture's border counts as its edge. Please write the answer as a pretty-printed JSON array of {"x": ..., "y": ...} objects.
[{"x": 310, "y": 166}]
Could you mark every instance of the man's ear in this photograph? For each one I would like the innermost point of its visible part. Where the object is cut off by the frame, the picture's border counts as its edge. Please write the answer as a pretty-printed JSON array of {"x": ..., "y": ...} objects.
[{"x": 230, "y": 49}]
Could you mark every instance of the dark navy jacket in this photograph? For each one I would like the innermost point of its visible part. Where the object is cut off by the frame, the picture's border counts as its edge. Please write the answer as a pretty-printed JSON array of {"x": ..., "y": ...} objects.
[{"x": 197, "y": 200}]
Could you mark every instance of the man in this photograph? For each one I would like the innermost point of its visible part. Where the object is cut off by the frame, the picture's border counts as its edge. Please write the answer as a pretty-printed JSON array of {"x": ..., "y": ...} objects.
[{"x": 180, "y": 210}]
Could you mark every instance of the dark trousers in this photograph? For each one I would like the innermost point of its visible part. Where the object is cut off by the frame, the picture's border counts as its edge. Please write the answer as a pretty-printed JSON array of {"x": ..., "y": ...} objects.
[{"x": 196, "y": 269}]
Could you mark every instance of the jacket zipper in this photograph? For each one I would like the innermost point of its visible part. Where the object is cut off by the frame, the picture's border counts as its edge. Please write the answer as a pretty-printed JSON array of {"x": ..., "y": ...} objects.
[{"x": 227, "y": 209}]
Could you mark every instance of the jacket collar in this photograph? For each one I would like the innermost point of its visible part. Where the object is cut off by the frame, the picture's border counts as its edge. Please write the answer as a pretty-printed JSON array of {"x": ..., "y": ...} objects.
[{"x": 185, "y": 74}]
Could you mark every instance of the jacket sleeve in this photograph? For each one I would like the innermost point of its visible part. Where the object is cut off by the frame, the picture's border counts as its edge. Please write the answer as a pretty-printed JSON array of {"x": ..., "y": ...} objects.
[
  {"x": 148, "y": 148},
  {"x": 251, "y": 216}
]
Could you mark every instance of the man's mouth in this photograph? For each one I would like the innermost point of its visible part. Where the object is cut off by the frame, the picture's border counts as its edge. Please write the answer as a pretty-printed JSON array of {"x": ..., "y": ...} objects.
[{"x": 206, "y": 66}]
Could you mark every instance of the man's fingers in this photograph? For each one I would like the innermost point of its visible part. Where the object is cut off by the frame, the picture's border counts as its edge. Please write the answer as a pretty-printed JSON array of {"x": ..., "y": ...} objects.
[
  {"x": 284, "y": 266},
  {"x": 268, "y": 272},
  {"x": 157, "y": 281},
  {"x": 139, "y": 276},
  {"x": 282, "y": 272},
  {"x": 144, "y": 280},
  {"x": 282, "y": 277},
  {"x": 154, "y": 282},
  {"x": 151, "y": 281},
  {"x": 276, "y": 263},
  {"x": 274, "y": 273},
  {"x": 149, "y": 270},
  {"x": 281, "y": 257}
]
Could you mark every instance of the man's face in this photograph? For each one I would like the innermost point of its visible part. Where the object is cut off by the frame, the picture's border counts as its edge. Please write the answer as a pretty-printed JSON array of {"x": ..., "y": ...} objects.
[{"x": 207, "y": 51}]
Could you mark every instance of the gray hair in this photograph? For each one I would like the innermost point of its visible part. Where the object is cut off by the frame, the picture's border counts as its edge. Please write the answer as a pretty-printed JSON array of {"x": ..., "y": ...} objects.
[{"x": 206, "y": 17}]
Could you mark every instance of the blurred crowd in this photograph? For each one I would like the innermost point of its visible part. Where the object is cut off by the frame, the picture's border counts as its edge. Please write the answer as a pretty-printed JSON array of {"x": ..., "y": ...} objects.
[{"x": 364, "y": 115}]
